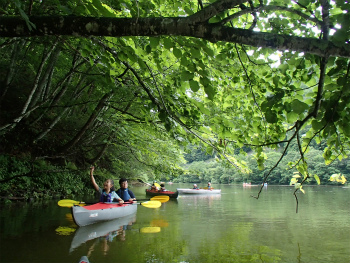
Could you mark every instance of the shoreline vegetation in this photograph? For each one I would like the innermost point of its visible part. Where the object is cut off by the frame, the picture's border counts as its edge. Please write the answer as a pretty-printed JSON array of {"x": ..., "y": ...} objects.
[
  {"x": 137, "y": 183},
  {"x": 27, "y": 179}
]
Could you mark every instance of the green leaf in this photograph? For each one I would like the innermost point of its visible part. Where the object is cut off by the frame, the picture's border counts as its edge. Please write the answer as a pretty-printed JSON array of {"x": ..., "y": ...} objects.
[
  {"x": 292, "y": 117},
  {"x": 317, "y": 125},
  {"x": 184, "y": 61},
  {"x": 186, "y": 75},
  {"x": 154, "y": 42},
  {"x": 209, "y": 90},
  {"x": 177, "y": 52},
  {"x": 335, "y": 11},
  {"x": 202, "y": 108},
  {"x": 271, "y": 116},
  {"x": 162, "y": 115},
  {"x": 299, "y": 106},
  {"x": 317, "y": 179},
  {"x": 168, "y": 43},
  {"x": 194, "y": 85},
  {"x": 195, "y": 52},
  {"x": 103, "y": 9},
  {"x": 148, "y": 49}
]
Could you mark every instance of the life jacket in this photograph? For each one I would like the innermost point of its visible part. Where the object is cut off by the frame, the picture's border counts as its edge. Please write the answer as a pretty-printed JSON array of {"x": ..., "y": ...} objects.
[
  {"x": 124, "y": 194},
  {"x": 106, "y": 197}
]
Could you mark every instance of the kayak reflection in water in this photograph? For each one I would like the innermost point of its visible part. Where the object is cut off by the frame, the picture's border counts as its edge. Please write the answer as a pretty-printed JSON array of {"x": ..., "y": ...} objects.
[
  {"x": 84, "y": 259},
  {"x": 108, "y": 238},
  {"x": 107, "y": 194}
]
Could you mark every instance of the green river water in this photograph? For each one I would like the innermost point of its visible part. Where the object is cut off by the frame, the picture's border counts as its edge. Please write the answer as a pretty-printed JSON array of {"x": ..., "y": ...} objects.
[{"x": 231, "y": 227}]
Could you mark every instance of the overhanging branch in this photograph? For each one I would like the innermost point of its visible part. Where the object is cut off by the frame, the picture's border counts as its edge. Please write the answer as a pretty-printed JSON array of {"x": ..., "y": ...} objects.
[{"x": 78, "y": 26}]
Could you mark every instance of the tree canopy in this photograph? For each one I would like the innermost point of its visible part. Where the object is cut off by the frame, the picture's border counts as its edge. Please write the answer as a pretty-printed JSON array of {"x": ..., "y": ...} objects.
[{"x": 109, "y": 81}]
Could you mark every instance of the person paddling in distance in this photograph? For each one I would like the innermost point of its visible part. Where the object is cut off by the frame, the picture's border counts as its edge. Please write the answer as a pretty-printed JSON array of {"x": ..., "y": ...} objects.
[
  {"x": 107, "y": 194},
  {"x": 126, "y": 194},
  {"x": 209, "y": 186},
  {"x": 162, "y": 187},
  {"x": 195, "y": 186}
]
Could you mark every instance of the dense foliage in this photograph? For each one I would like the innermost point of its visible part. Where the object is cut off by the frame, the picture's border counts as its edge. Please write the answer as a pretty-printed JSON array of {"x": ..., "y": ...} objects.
[
  {"x": 127, "y": 85},
  {"x": 212, "y": 170}
]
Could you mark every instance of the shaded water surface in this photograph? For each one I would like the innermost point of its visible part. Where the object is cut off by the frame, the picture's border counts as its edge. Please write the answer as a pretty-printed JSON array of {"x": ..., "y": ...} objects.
[{"x": 231, "y": 227}]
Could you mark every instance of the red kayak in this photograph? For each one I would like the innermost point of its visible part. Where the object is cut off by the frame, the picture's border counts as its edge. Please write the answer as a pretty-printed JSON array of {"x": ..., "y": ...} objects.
[{"x": 157, "y": 192}]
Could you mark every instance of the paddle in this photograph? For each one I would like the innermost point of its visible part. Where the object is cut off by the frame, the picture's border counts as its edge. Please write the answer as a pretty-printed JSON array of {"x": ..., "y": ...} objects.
[
  {"x": 148, "y": 204},
  {"x": 158, "y": 200},
  {"x": 69, "y": 203}
]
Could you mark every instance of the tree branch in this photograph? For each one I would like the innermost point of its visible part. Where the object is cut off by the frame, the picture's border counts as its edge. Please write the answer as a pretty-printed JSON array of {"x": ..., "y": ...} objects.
[{"x": 158, "y": 26}]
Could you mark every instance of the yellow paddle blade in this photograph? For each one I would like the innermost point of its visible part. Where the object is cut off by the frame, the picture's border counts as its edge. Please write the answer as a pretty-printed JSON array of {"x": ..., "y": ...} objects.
[
  {"x": 64, "y": 230},
  {"x": 161, "y": 198},
  {"x": 69, "y": 217},
  {"x": 151, "y": 204},
  {"x": 157, "y": 185},
  {"x": 69, "y": 203},
  {"x": 150, "y": 229},
  {"x": 159, "y": 223}
]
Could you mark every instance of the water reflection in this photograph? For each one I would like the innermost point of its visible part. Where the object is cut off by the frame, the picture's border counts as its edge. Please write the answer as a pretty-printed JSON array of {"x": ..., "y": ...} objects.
[
  {"x": 159, "y": 223},
  {"x": 200, "y": 197},
  {"x": 233, "y": 227},
  {"x": 200, "y": 200},
  {"x": 103, "y": 233}
]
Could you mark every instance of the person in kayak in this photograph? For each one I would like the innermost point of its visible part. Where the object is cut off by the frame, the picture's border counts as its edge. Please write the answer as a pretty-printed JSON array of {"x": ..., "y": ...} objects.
[
  {"x": 195, "y": 186},
  {"x": 162, "y": 187},
  {"x": 153, "y": 187},
  {"x": 209, "y": 186},
  {"x": 107, "y": 194},
  {"x": 126, "y": 194}
]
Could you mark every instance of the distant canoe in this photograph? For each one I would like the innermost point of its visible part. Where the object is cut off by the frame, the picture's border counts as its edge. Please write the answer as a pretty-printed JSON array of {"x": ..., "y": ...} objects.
[
  {"x": 156, "y": 192},
  {"x": 186, "y": 191}
]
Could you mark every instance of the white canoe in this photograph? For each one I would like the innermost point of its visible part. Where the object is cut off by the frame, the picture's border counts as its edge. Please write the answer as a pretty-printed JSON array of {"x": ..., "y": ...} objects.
[
  {"x": 186, "y": 191},
  {"x": 90, "y": 214}
]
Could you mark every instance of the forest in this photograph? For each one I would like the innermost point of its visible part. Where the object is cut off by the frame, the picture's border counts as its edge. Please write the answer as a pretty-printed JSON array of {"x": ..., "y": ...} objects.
[
  {"x": 262, "y": 87},
  {"x": 201, "y": 168}
]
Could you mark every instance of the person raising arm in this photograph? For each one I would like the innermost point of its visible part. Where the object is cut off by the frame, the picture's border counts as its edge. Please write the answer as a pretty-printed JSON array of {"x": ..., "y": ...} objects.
[{"x": 107, "y": 194}]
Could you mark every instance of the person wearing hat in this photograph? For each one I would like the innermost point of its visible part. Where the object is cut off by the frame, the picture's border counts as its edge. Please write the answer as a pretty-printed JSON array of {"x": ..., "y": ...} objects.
[{"x": 124, "y": 193}]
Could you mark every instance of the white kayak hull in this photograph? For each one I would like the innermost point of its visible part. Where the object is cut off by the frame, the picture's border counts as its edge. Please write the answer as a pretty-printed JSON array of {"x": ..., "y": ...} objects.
[
  {"x": 185, "y": 191},
  {"x": 91, "y": 214}
]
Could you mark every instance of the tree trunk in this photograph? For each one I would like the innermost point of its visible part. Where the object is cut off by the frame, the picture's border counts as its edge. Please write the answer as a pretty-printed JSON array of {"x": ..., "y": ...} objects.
[
  {"x": 196, "y": 26},
  {"x": 11, "y": 68},
  {"x": 24, "y": 112}
]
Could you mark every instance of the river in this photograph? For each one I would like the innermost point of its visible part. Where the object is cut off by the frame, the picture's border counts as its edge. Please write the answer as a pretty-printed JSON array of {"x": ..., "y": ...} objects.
[{"x": 231, "y": 227}]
